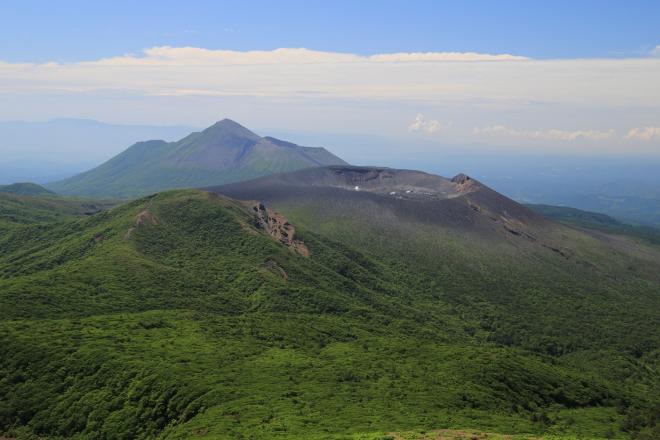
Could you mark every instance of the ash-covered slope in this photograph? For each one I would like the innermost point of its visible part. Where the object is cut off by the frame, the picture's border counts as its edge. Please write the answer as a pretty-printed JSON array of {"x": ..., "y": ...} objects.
[
  {"x": 374, "y": 193},
  {"x": 224, "y": 152}
]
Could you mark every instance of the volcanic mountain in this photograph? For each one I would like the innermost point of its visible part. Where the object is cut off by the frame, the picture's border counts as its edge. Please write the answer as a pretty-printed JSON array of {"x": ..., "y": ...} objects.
[
  {"x": 484, "y": 252},
  {"x": 225, "y": 152},
  {"x": 420, "y": 214},
  {"x": 394, "y": 197},
  {"x": 328, "y": 303}
]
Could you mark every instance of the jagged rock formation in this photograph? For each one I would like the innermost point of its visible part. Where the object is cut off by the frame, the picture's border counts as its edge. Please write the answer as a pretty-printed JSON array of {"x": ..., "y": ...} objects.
[{"x": 279, "y": 228}]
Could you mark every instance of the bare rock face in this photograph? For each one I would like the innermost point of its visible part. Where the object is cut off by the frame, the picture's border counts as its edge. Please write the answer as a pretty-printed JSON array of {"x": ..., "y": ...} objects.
[
  {"x": 464, "y": 183},
  {"x": 279, "y": 228},
  {"x": 461, "y": 178}
]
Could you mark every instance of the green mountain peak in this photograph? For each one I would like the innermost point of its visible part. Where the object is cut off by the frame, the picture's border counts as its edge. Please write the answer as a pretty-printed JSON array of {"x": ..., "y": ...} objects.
[
  {"x": 25, "y": 189},
  {"x": 222, "y": 153}
]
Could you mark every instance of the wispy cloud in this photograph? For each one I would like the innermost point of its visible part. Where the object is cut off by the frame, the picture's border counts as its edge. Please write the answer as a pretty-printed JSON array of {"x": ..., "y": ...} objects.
[
  {"x": 333, "y": 91},
  {"x": 552, "y": 134},
  {"x": 443, "y": 56},
  {"x": 644, "y": 133},
  {"x": 428, "y": 126},
  {"x": 655, "y": 52},
  {"x": 432, "y": 77},
  {"x": 172, "y": 56}
]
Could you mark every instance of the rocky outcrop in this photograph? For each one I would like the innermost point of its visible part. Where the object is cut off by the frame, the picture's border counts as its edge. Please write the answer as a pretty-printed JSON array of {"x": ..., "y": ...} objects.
[
  {"x": 464, "y": 183},
  {"x": 279, "y": 228}
]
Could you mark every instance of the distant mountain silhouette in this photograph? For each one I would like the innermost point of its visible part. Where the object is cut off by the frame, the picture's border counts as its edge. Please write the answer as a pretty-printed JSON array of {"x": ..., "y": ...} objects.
[
  {"x": 223, "y": 153},
  {"x": 25, "y": 189}
]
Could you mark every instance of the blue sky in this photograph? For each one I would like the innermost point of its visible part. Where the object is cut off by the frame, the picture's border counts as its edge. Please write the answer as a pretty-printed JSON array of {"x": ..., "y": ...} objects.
[
  {"x": 66, "y": 31},
  {"x": 551, "y": 77}
]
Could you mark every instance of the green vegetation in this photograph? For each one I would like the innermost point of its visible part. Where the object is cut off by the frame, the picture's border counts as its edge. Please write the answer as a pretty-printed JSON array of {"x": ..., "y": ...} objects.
[
  {"x": 224, "y": 152},
  {"x": 175, "y": 316},
  {"x": 18, "y": 210},
  {"x": 25, "y": 189},
  {"x": 597, "y": 221}
]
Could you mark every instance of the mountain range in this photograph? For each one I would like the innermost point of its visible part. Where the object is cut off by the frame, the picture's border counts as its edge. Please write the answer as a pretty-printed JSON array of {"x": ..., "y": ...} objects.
[
  {"x": 225, "y": 152},
  {"x": 329, "y": 301}
]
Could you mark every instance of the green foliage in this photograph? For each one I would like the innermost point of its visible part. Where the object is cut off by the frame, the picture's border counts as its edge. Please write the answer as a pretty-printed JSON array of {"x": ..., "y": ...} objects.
[
  {"x": 25, "y": 189},
  {"x": 225, "y": 152},
  {"x": 175, "y": 316},
  {"x": 20, "y": 210}
]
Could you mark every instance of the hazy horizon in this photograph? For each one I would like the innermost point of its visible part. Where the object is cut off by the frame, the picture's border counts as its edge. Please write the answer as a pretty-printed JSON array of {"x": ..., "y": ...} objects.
[
  {"x": 471, "y": 76},
  {"x": 578, "y": 180},
  {"x": 495, "y": 91}
]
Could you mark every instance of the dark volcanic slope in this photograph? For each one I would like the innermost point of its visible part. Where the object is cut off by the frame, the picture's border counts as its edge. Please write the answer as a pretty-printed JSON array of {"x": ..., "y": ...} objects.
[
  {"x": 403, "y": 194},
  {"x": 406, "y": 184},
  {"x": 225, "y": 152}
]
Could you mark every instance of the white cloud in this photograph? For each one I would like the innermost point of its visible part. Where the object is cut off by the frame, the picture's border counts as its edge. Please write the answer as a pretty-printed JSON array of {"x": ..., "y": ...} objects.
[
  {"x": 443, "y": 56},
  {"x": 333, "y": 92},
  {"x": 166, "y": 55},
  {"x": 427, "y": 126},
  {"x": 440, "y": 77},
  {"x": 644, "y": 134},
  {"x": 552, "y": 134},
  {"x": 655, "y": 52}
]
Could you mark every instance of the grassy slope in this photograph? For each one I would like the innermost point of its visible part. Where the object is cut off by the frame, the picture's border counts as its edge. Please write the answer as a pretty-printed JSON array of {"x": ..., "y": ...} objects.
[
  {"x": 25, "y": 189},
  {"x": 18, "y": 210},
  {"x": 116, "y": 179},
  {"x": 497, "y": 276},
  {"x": 184, "y": 329},
  {"x": 602, "y": 295}
]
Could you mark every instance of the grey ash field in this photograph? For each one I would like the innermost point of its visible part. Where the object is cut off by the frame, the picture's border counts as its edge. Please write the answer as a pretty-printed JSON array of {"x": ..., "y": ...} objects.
[{"x": 332, "y": 302}]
